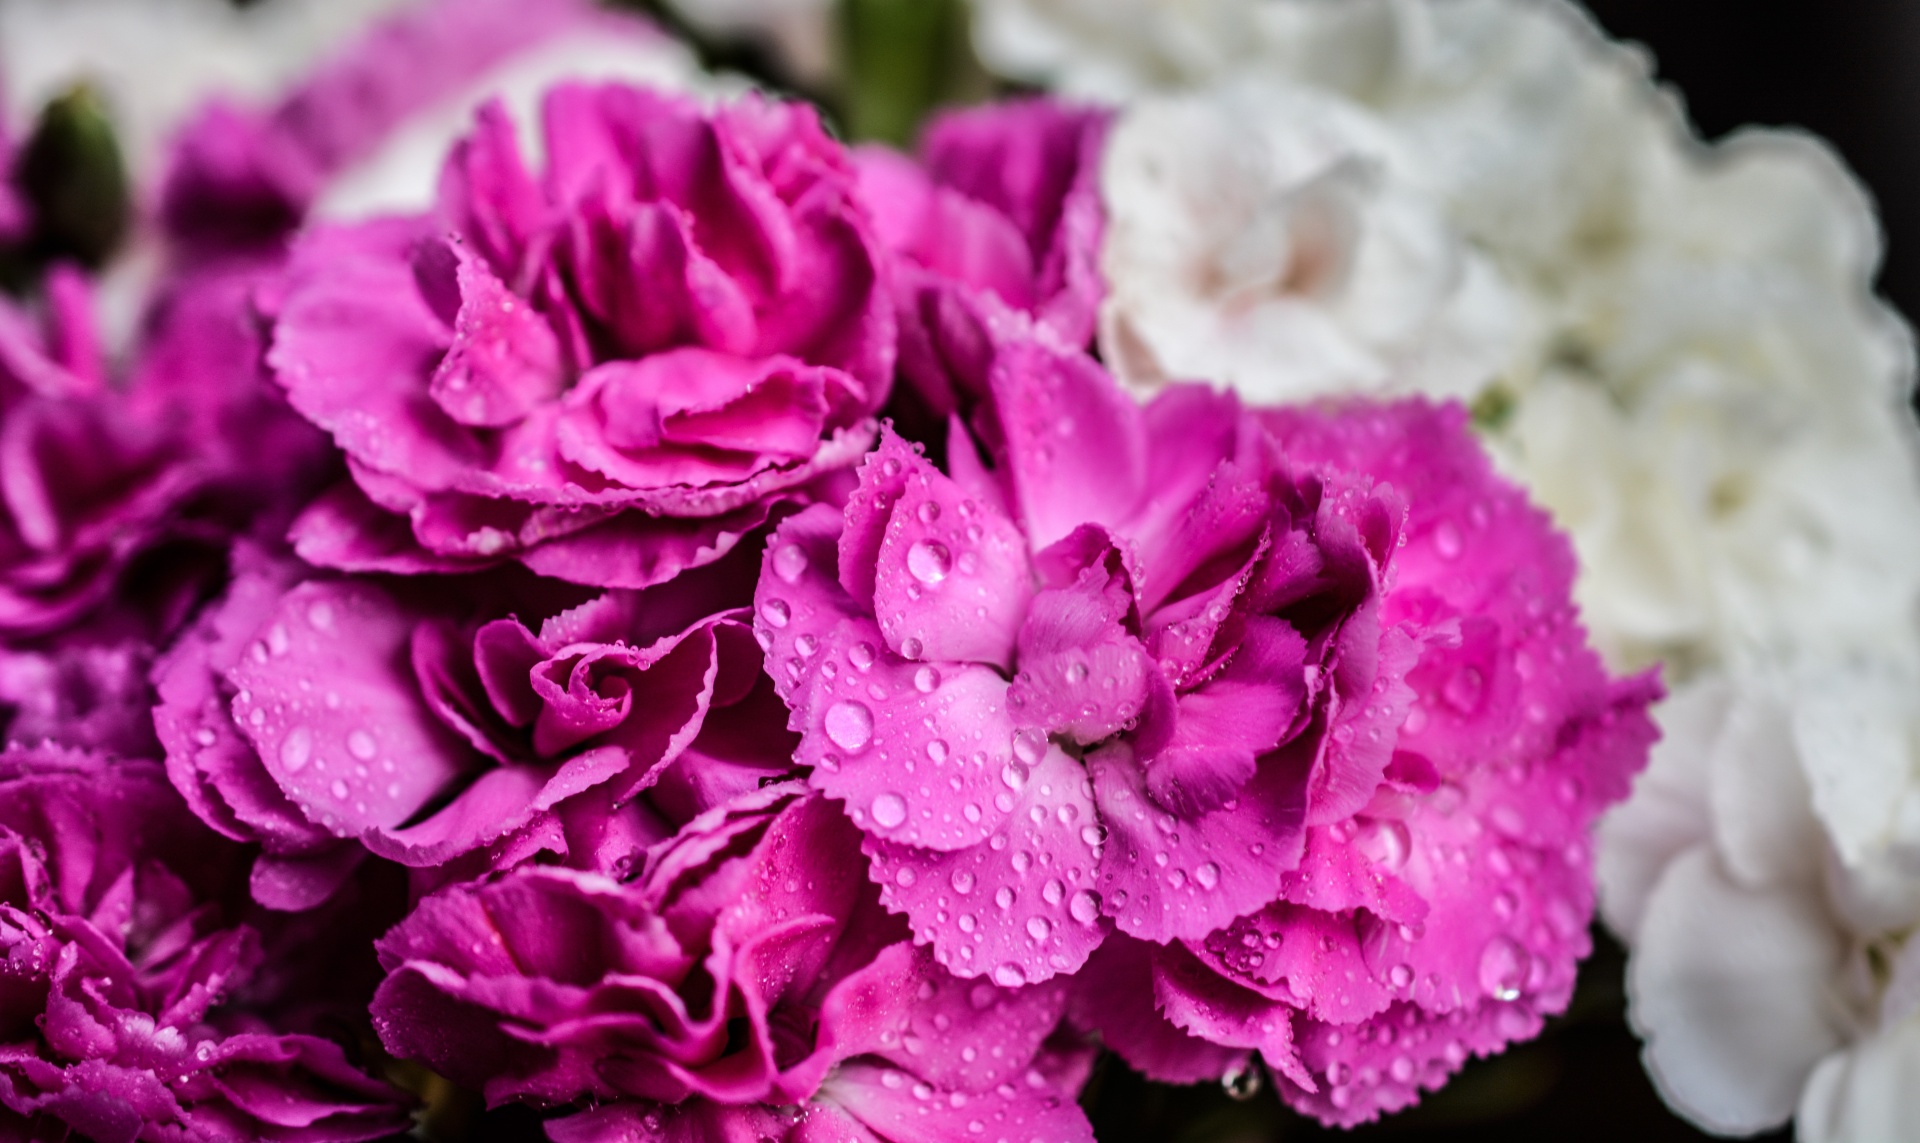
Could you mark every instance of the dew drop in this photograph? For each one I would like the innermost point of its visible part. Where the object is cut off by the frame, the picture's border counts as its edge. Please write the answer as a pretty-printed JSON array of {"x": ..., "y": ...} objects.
[
  {"x": 937, "y": 751},
  {"x": 1009, "y": 976},
  {"x": 1039, "y": 928},
  {"x": 929, "y": 512},
  {"x": 861, "y": 656},
  {"x": 889, "y": 810},
  {"x": 1503, "y": 968},
  {"x": 1400, "y": 975},
  {"x": 790, "y": 563},
  {"x": 1077, "y": 673},
  {"x": 911, "y": 648},
  {"x": 1243, "y": 1083},
  {"x": 1014, "y": 774},
  {"x": 929, "y": 561},
  {"x": 1053, "y": 892},
  {"x": 1085, "y": 907},
  {"x": 926, "y": 680},
  {"x": 962, "y": 882},
  {"x": 776, "y": 612},
  {"x": 1094, "y": 835},
  {"x": 339, "y": 789},
  {"x": 1207, "y": 876},
  {"x": 296, "y": 749},
  {"x": 806, "y": 645},
  {"x": 1446, "y": 540},
  {"x": 1003, "y": 897},
  {"x": 1029, "y": 746},
  {"x": 360, "y": 744},
  {"x": 906, "y": 877},
  {"x": 1387, "y": 843},
  {"x": 849, "y": 725}
]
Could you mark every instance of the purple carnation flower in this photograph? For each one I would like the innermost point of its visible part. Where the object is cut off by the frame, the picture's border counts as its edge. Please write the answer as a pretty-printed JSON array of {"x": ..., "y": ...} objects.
[
  {"x": 434, "y": 720},
  {"x": 126, "y": 1001},
  {"x": 1168, "y": 671},
  {"x": 746, "y": 985},
  {"x": 611, "y": 372},
  {"x": 1002, "y": 211}
]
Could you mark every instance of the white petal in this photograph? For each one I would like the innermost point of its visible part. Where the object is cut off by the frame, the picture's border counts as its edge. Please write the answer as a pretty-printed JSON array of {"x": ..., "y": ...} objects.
[
  {"x": 1853, "y": 728},
  {"x": 1763, "y": 823},
  {"x": 1729, "y": 988},
  {"x": 1667, "y": 811},
  {"x": 1866, "y": 1094}
]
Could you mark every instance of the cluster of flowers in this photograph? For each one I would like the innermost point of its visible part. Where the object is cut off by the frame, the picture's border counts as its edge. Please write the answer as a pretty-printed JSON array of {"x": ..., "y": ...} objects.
[{"x": 710, "y": 632}]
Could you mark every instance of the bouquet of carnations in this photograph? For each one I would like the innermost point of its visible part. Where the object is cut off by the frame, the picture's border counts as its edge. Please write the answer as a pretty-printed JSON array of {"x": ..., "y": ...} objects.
[{"x": 545, "y": 590}]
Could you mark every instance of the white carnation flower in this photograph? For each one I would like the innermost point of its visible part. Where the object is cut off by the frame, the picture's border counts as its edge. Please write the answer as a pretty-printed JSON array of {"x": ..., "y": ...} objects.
[
  {"x": 1767, "y": 874},
  {"x": 1675, "y": 346},
  {"x": 1267, "y": 238}
]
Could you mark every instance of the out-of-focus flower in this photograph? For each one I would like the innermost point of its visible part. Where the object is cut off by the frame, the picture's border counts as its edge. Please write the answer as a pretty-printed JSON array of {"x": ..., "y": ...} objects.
[
  {"x": 1001, "y": 212},
  {"x": 425, "y": 722},
  {"x": 746, "y": 984},
  {"x": 1767, "y": 875},
  {"x": 1675, "y": 347},
  {"x": 801, "y": 33},
  {"x": 1274, "y": 240},
  {"x": 156, "y": 61},
  {"x": 610, "y": 374},
  {"x": 126, "y": 990},
  {"x": 1174, "y": 668},
  {"x": 86, "y": 485}
]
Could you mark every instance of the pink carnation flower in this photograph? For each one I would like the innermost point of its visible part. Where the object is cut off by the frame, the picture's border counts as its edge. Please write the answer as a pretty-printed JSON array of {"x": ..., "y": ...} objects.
[
  {"x": 610, "y": 372},
  {"x": 1002, "y": 210},
  {"x": 130, "y": 1005},
  {"x": 746, "y": 985},
  {"x": 1165, "y": 678},
  {"x": 457, "y": 725}
]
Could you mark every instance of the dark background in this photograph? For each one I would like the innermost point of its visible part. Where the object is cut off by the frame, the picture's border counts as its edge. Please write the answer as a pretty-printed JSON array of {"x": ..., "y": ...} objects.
[{"x": 1845, "y": 69}]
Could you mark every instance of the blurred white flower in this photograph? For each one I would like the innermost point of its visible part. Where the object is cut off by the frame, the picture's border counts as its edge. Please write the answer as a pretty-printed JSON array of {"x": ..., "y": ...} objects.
[
  {"x": 1675, "y": 346},
  {"x": 1767, "y": 873},
  {"x": 1267, "y": 238},
  {"x": 801, "y": 33},
  {"x": 155, "y": 61}
]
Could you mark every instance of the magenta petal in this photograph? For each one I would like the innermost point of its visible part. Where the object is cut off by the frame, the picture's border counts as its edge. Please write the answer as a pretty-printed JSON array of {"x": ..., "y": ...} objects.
[
  {"x": 898, "y": 1115},
  {"x": 1020, "y": 906},
  {"x": 1225, "y": 725},
  {"x": 1082, "y": 673},
  {"x": 293, "y": 884},
  {"x": 1198, "y": 1000},
  {"x": 1075, "y": 442},
  {"x": 1115, "y": 996},
  {"x": 906, "y": 1009},
  {"x": 375, "y": 758},
  {"x": 1165, "y": 878},
  {"x": 951, "y": 579},
  {"x": 504, "y": 360}
]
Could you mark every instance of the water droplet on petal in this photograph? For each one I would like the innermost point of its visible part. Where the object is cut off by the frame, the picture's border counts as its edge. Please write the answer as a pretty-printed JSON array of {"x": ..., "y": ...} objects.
[
  {"x": 929, "y": 561},
  {"x": 1039, "y": 928},
  {"x": 926, "y": 680},
  {"x": 911, "y": 648},
  {"x": 1207, "y": 876},
  {"x": 962, "y": 882},
  {"x": 929, "y": 512},
  {"x": 1009, "y": 976},
  {"x": 1003, "y": 897},
  {"x": 861, "y": 656},
  {"x": 849, "y": 725},
  {"x": 1014, "y": 775},
  {"x": 1085, "y": 907},
  {"x": 937, "y": 751},
  {"x": 1029, "y": 745},
  {"x": 1077, "y": 673},
  {"x": 1400, "y": 975},
  {"x": 296, "y": 749},
  {"x": 789, "y": 563},
  {"x": 1446, "y": 540},
  {"x": 360, "y": 744},
  {"x": 776, "y": 612},
  {"x": 889, "y": 810},
  {"x": 1053, "y": 892},
  {"x": 1503, "y": 968}
]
